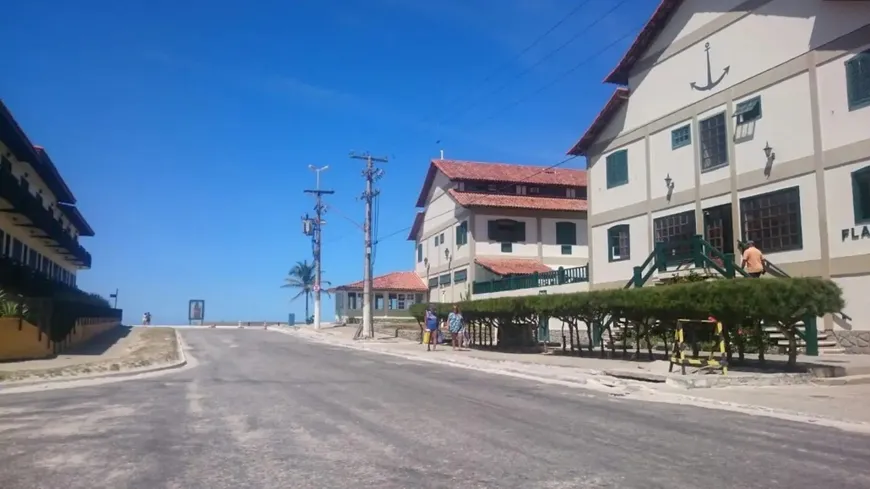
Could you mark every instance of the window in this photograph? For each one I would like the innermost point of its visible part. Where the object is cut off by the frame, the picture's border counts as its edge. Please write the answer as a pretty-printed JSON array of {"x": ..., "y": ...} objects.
[
  {"x": 492, "y": 187},
  {"x": 507, "y": 231},
  {"x": 401, "y": 302},
  {"x": 418, "y": 298},
  {"x": 436, "y": 240},
  {"x": 773, "y": 220},
  {"x": 379, "y": 302},
  {"x": 618, "y": 244},
  {"x": 566, "y": 235},
  {"x": 748, "y": 111},
  {"x": 2, "y": 243},
  {"x": 419, "y": 252},
  {"x": 8, "y": 245},
  {"x": 681, "y": 136},
  {"x": 397, "y": 302},
  {"x": 17, "y": 250},
  {"x": 534, "y": 190},
  {"x": 460, "y": 276},
  {"x": 858, "y": 80},
  {"x": 714, "y": 142},
  {"x": 617, "y": 168},
  {"x": 441, "y": 238},
  {"x": 462, "y": 233},
  {"x": 351, "y": 300},
  {"x": 444, "y": 279},
  {"x": 507, "y": 247},
  {"x": 861, "y": 195},
  {"x": 677, "y": 229},
  {"x": 433, "y": 282}
]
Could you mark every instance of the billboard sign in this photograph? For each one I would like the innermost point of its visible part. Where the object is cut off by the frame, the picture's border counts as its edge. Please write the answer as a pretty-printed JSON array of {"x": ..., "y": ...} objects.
[{"x": 196, "y": 310}]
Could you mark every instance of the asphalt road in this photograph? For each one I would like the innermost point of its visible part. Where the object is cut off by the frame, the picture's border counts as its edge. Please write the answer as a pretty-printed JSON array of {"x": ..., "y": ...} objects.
[{"x": 265, "y": 410}]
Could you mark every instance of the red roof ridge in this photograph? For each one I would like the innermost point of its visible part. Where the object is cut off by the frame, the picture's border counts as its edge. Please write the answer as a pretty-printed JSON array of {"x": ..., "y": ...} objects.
[
  {"x": 614, "y": 103},
  {"x": 647, "y": 35},
  {"x": 399, "y": 280},
  {"x": 534, "y": 202},
  {"x": 512, "y": 266}
]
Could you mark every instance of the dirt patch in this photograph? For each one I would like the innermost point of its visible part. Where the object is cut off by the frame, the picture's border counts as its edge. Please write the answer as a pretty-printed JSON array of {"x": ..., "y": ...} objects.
[{"x": 142, "y": 347}]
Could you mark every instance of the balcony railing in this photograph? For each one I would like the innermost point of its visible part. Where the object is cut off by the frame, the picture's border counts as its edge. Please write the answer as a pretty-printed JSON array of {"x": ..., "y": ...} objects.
[
  {"x": 561, "y": 276},
  {"x": 29, "y": 206}
]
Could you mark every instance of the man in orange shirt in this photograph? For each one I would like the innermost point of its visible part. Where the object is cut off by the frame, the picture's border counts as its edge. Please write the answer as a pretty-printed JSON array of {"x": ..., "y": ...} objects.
[{"x": 753, "y": 260}]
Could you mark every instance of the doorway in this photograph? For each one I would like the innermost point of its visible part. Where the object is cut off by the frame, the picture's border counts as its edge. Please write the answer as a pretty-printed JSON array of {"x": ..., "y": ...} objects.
[{"x": 718, "y": 230}]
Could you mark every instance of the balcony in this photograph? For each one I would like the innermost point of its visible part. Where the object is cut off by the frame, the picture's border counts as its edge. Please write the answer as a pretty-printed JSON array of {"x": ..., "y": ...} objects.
[
  {"x": 39, "y": 218},
  {"x": 562, "y": 276}
]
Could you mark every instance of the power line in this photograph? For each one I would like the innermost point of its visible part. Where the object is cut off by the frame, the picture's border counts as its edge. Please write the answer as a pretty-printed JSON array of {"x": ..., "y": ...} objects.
[
  {"x": 525, "y": 50},
  {"x": 407, "y": 228},
  {"x": 581, "y": 33},
  {"x": 559, "y": 78}
]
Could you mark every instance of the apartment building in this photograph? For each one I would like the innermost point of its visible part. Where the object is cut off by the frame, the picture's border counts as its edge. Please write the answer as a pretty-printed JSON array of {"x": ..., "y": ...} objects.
[
  {"x": 740, "y": 120},
  {"x": 39, "y": 223},
  {"x": 484, "y": 225}
]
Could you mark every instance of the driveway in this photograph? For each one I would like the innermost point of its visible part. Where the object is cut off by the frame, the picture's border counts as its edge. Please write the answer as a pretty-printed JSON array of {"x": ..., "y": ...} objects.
[{"x": 265, "y": 410}]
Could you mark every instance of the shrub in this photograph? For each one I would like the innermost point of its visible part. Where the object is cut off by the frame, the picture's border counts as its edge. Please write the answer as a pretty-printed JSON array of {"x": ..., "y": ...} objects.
[{"x": 653, "y": 311}]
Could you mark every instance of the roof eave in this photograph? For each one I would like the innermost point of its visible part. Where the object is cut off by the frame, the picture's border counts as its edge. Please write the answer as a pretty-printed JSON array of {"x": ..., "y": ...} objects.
[
  {"x": 581, "y": 147},
  {"x": 77, "y": 219}
]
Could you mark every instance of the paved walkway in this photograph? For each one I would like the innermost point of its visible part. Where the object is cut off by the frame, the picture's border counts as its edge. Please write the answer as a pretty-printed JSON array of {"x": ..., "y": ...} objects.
[{"x": 847, "y": 403}]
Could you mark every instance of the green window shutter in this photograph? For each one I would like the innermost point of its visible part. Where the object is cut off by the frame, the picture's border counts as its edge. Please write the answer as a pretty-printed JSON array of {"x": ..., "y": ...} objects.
[
  {"x": 858, "y": 81},
  {"x": 419, "y": 253},
  {"x": 462, "y": 234},
  {"x": 566, "y": 233},
  {"x": 492, "y": 230},
  {"x": 861, "y": 195},
  {"x": 520, "y": 232},
  {"x": 617, "y": 168}
]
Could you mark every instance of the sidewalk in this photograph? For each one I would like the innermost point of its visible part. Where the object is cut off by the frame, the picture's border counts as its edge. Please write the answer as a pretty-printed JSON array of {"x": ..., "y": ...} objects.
[
  {"x": 122, "y": 349},
  {"x": 834, "y": 405}
]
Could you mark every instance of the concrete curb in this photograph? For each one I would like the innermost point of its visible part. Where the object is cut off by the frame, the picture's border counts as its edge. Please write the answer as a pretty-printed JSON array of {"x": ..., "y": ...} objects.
[{"x": 181, "y": 362}]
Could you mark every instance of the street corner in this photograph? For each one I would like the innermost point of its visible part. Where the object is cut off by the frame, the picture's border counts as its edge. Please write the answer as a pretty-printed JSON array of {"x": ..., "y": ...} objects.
[{"x": 141, "y": 351}]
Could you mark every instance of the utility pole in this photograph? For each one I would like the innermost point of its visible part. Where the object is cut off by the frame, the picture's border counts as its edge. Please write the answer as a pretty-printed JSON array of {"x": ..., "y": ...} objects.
[
  {"x": 114, "y": 296},
  {"x": 313, "y": 228},
  {"x": 371, "y": 174}
]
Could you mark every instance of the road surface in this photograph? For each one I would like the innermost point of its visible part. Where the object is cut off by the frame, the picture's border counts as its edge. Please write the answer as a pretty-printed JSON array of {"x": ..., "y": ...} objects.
[{"x": 265, "y": 410}]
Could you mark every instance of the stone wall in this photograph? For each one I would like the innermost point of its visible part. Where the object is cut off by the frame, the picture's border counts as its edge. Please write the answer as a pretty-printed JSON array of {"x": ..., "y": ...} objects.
[{"x": 856, "y": 342}]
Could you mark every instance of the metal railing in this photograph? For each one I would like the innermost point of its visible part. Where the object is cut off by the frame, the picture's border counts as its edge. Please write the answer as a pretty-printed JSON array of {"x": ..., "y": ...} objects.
[{"x": 561, "y": 276}]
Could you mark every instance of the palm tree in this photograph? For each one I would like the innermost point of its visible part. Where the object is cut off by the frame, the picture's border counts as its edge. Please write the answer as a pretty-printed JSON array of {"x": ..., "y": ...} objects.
[{"x": 301, "y": 277}]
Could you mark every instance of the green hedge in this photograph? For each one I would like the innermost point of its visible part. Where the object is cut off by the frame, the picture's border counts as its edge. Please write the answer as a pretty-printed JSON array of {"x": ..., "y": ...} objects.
[{"x": 741, "y": 304}]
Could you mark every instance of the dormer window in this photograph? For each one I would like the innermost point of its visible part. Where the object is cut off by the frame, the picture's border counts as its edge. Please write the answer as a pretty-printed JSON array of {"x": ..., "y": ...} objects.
[
  {"x": 534, "y": 190},
  {"x": 492, "y": 188}
]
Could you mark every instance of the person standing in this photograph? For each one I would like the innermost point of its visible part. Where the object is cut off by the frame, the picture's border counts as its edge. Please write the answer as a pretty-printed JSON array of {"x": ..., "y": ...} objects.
[
  {"x": 431, "y": 328},
  {"x": 455, "y": 323},
  {"x": 753, "y": 260}
]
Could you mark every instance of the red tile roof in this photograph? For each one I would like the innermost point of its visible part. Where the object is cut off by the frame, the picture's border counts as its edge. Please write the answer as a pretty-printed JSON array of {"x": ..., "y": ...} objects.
[
  {"x": 617, "y": 100},
  {"x": 643, "y": 41},
  {"x": 500, "y": 173},
  {"x": 469, "y": 199},
  {"x": 401, "y": 281},
  {"x": 512, "y": 266},
  {"x": 415, "y": 228}
]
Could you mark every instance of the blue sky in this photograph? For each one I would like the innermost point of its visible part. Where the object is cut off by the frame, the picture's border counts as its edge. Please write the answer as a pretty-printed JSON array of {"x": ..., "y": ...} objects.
[{"x": 185, "y": 129}]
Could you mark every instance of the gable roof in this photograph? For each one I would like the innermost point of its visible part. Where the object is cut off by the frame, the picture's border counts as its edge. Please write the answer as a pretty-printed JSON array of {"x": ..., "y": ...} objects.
[
  {"x": 512, "y": 266},
  {"x": 415, "y": 228},
  {"x": 647, "y": 35},
  {"x": 616, "y": 101},
  {"x": 499, "y": 173},
  {"x": 401, "y": 281}
]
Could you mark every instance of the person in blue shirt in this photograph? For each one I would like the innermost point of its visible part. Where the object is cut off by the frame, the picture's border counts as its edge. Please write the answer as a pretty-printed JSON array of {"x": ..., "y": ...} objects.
[
  {"x": 455, "y": 323},
  {"x": 432, "y": 328}
]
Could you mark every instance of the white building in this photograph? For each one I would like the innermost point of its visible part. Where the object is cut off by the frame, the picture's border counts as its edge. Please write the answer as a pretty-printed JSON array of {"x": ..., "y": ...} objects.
[
  {"x": 487, "y": 229},
  {"x": 740, "y": 119}
]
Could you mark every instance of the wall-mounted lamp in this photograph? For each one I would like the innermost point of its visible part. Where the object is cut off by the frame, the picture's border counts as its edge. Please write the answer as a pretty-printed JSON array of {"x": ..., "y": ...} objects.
[
  {"x": 446, "y": 254},
  {"x": 669, "y": 183},
  {"x": 768, "y": 152},
  {"x": 770, "y": 155},
  {"x": 426, "y": 262}
]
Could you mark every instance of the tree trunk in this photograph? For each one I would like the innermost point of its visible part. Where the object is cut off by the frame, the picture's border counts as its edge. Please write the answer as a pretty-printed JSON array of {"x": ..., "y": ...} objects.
[
  {"x": 589, "y": 328},
  {"x": 571, "y": 335},
  {"x": 649, "y": 346},
  {"x": 762, "y": 344},
  {"x": 792, "y": 347},
  {"x": 306, "y": 308}
]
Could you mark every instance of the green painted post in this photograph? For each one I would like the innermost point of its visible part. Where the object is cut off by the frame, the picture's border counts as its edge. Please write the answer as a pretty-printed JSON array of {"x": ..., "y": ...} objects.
[
  {"x": 697, "y": 251},
  {"x": 660, "y": 259},
  {"x": 561, "y": 275},
  {"x": 812, "y": 336},
  {"x": 637, "y": 278},
  {"x": 729, "y": 265}
]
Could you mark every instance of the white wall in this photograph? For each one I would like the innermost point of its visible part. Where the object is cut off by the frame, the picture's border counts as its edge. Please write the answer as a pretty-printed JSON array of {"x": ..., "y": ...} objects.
[
  {"x": 664, "y": 161},
  {"x": 440, "y": 217},
  {"x": 786, "y": 124},
  {"x": 605, "y": 271},
  {"x": 855, "y": 294},
  {"x": 549, "y": 248},
  {"x": 633, "y": 192},
  {"x": 841, "y": 213},
  {"x": 840, "y": 126},
  {"x": 484, "y": 247},
  {"x": 775, "y": 33}
]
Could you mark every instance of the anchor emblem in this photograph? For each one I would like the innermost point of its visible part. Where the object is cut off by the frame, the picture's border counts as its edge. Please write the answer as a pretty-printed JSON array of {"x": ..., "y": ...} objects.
[{"x": 710, "y": 82}]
